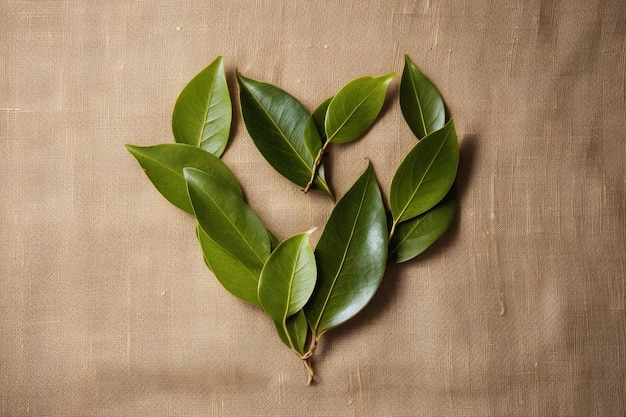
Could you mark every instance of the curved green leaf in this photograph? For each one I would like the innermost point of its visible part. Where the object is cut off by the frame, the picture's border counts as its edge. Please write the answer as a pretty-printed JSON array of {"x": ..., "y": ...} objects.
[
  {"x": 288, "y": 278},
  {"x": 282, "y": 130},
  {"x": 420, "y": 102},
  {"x": 238, "y": 278},
  {"x": 227, "y": 219},
  {"x": 164, "y": 165},
  {"x": 415, "y": 235},
  {"x": 319, "y": 115},
  {"x": 203, "y": 111},
  {"x": 425, "y": 175},
  {"x": 351, "y": 256},
  {"x": 355, "y": 107},
  {"x": 297, "y": 328}
]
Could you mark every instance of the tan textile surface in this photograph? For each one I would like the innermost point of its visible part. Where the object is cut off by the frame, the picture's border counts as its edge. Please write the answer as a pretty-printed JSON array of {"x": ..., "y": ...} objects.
[{"x": 107, "y": 309}]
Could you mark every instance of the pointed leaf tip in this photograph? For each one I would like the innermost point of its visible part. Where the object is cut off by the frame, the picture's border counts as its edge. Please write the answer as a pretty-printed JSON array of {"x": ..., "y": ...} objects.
[{"x": 203, "y": 112}]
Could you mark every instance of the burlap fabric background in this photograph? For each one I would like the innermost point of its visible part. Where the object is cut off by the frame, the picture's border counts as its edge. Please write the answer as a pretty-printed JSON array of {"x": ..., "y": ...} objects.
[{"x": 107, "y": 309}]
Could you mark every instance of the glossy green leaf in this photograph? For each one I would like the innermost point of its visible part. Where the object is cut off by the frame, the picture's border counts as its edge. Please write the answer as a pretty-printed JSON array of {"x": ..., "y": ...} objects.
[
  {"x": 288, "y": 278},
  {"x": 238, "y": 278},
  {"x": 355, "y": 107},
  {"x": 425, "y": 175},
  {"x": 227, "y": 219},
  {"x": 282, "y": 130},
  {"x": 351, "y": 256},
  {"x": 415, "y": 235},
  {"x": 319, "y": 115},
  {"x": 203, "y": 111},
  {"x": 420, "y": 102},
  {"x": 297, "y": 328},
  {"x": 164, "y": 165}
]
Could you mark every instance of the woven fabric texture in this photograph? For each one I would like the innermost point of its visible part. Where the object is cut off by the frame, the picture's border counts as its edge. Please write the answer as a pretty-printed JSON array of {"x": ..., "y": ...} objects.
[{"x": 106, "y": 306}]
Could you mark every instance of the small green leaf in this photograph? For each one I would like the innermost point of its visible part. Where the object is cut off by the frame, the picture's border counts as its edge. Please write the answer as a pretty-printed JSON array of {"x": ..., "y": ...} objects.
[
  {"x": 238, "y": 278},
  {"x": 351, "y": 256},
  {"x": 414, "y": 236},
  {"x": 227, "y": 219},
  {"x": 298, "y": 329},
  {"x": 282, "y": 130},
  {"x": 355, "y": 107},
  {"x": 164, "y": 165},
  {"x": 288, "y": 278},
  {"x": 319, "y": 115},
  {"x": 203, "y": 111},
  {"x": 425, "y": 175},
  {"x": 420, "y": 102}
]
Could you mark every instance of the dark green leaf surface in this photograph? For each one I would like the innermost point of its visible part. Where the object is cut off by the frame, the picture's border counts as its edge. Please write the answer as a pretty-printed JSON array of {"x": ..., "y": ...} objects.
[
  {"x": 164, "y": 165},
  {"x": 351, "y": 256},
  {"x": 238, "y": 278},
  {"x": 227, "y": 219},
  {"x": 420, "y": 102},
  {"x": 282, "y": 130},
  {"x": 425, "y": 175},
  {"x": 355, "y": 107},
  {"x": 203, "y": 111},
  {"x": 288, "y": 278},
  {"x": 298, "y": 329},
  {"x": 319, "y": 115},
  {"x": 415, "y": 235}
]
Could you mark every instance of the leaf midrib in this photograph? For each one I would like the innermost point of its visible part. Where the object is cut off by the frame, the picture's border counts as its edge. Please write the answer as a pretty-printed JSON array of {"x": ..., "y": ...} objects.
[
  {"x": 245, "y": 265},
  {"x": 419, "y": 104},
  {"x": 343, "y": 259},
  {"x": 404, "y": 209},
  {"x": 341, "y": 126},
  {"x": 206, "y": 111},
  {"x": 223, "y": 213},
  {"x": 282, "y": 134}
]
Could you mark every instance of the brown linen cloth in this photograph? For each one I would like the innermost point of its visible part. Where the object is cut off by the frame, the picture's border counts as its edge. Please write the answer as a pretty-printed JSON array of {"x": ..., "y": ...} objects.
[{"x": 107, "y": 309}]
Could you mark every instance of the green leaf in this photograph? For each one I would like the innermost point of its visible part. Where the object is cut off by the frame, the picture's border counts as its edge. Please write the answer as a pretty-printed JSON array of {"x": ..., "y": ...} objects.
[
  {"x": 319, "y": 115},
  {"x": 164, "y": 165},
  {"x": 288, "y": 278},
  {"x": 355, "y": 107},
  {"x": 420, "y": 102},
  {"x": 227, "y": 219},
  {"x": 298, "y": 329},
  {"x": 351, "y": 256},
  {"x": 425, "y": 175},
  {"x": 415, "y": 235},
  {"x": 203, "y": 111},
  {"x": 238, "y": 278},
  {"x": 282, "y": 130}
]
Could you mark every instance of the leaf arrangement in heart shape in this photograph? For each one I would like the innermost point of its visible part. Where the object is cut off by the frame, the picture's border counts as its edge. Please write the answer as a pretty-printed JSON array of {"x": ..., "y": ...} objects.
[{"x": 306, "y": 291}]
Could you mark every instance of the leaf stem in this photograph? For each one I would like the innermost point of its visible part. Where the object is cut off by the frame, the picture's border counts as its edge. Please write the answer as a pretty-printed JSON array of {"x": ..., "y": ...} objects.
[
  {"x": 393, "y": 229},
  {"x": 309, "y": 369},
  {"x": 316, "y": 163}
]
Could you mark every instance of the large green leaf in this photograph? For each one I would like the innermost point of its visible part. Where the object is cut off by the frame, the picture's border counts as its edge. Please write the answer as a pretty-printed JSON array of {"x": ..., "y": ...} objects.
[
  {"x": 351, "y": 256},
  {"x": 238, "y": 278},
  {"x": 294, "y": 331},
  {"x": 288, "y": 278},
  {"x": 282, "y": 130},
  {"x": 420, "y": 102},
  {"x": 355, "y": 107},
  {"x": 203, "y": 111},
  {"x": 425, "y": 175},
  {"x": 227, "y": 219},
  {"x": 164, "y": 166},
  {"x": 415, "y": 235}
]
